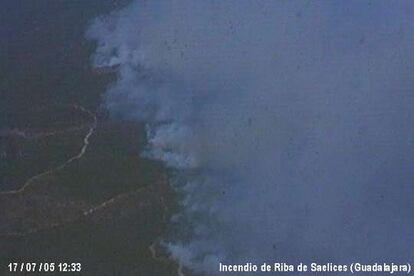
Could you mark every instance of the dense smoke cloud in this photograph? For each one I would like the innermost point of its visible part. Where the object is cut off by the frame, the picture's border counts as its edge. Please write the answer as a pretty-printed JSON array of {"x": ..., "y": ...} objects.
[{"x": 290, "y": 122}]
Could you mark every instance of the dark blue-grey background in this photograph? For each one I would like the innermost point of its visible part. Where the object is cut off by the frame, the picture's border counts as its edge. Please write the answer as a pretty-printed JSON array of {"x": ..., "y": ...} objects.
[{"x": 293, "y": 117}]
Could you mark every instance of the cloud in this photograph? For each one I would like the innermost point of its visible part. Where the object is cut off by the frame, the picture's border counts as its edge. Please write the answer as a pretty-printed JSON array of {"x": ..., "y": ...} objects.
[{"x": 289, "y": 123}]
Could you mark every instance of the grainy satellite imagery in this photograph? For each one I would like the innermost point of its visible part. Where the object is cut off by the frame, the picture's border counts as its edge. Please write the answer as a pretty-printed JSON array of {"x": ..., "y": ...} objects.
[{"x": 185, "y": 137}]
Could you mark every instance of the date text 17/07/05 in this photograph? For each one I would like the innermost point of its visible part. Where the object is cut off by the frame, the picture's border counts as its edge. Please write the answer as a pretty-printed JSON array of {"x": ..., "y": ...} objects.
[{"x": 44, "y": 267}]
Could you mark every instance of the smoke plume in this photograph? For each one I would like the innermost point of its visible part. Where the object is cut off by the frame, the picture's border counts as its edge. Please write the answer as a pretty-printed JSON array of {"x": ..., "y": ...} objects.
[{"x": 289, "y": 123}]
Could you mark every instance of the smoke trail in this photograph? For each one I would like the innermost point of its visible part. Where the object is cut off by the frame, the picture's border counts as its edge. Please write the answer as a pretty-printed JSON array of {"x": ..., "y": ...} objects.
[{"x": 290, "y": 122}]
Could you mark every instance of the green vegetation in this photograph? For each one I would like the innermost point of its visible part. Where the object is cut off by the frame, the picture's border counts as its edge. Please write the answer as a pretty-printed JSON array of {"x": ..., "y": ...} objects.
[
  {"x": 111, "y": 165},
  {"x": 44, "y": 71}
]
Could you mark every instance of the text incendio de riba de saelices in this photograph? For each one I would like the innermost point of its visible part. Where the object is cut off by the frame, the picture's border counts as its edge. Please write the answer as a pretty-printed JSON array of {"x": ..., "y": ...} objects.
[{"x": 317, "y": 267}]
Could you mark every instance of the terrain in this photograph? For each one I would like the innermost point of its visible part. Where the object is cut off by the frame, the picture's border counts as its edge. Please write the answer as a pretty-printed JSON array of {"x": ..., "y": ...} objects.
[{"x": 73, "y": 187}]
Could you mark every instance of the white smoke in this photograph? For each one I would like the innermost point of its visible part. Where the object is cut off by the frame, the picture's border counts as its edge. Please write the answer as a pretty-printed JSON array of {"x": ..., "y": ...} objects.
[{"x": 289, "y": 120}]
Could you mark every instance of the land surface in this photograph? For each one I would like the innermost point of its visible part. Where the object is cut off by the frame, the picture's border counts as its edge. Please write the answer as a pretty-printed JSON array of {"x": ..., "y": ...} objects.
[{"x": 73, "y": 187}]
